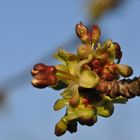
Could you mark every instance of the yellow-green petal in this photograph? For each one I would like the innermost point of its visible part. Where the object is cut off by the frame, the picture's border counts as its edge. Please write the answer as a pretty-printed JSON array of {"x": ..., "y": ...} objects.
[
  {"x": 72, "y": 63},
  {"x": 88, "y": 79}
]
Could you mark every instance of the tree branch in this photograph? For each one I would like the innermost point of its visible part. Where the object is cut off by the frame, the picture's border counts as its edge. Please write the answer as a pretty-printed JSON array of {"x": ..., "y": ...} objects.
[{"x": 128, "y": 88}]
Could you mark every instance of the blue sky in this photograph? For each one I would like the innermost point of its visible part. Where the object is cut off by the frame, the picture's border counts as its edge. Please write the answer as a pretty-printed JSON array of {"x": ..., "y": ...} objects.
[{"x": 30, "y": 31}]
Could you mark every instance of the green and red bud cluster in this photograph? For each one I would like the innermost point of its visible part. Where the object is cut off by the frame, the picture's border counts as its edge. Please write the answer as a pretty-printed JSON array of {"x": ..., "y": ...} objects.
[{"x": 80, "y": 76}]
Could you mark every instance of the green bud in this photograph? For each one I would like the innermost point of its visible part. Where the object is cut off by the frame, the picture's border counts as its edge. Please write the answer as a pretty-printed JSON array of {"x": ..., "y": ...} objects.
[
  {"x": 60, "y": 128},
  {"x": 124, "y": 70}
]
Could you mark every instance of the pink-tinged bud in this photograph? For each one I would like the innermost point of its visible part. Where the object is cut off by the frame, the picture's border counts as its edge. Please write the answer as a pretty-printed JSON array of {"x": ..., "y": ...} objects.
[
  {"x": 95, "y": 33},
  {"x": 83, "y": 33}
]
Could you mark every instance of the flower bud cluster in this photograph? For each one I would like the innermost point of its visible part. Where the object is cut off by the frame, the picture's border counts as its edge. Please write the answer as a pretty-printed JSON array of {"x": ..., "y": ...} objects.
[{"x": 80, "y": 76}]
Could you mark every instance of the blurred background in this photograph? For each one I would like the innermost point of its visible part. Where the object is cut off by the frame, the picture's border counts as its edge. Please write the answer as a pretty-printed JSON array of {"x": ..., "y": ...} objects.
[{"x": 30, "y": 32}]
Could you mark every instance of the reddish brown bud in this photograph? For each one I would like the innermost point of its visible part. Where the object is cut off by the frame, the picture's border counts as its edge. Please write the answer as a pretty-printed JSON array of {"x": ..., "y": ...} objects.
[
  {"x": 38, "y": 68},
  {"x": 83, "y": 33},
  {"x": 95, "y": 33},
  {"x": 42, "y": 68},
  {"x": 43, "y": 75},
  {"x": 43, "y": 80}
]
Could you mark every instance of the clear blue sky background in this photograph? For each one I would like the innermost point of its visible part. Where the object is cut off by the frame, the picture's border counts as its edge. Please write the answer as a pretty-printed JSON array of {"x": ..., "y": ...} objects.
[{"x": 30, "y": 30}]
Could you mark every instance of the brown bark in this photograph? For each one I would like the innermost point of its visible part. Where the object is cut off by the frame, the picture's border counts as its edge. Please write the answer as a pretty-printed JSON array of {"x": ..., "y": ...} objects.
[{"x": 128, "y": 88}]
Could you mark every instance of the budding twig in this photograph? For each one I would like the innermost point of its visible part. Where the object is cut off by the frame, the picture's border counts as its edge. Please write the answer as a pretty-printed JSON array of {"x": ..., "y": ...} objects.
[{"x": 128, "y": 88}]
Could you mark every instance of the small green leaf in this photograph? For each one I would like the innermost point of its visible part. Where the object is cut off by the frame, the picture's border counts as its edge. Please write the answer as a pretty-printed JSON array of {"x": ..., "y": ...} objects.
[
  {"x": 60, "y": 103},
  {"x": 88, "y": 79}
]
